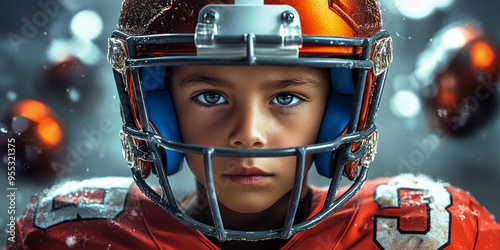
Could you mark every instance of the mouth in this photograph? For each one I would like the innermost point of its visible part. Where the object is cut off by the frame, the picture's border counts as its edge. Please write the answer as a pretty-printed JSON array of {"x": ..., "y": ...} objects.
[{"x": 248, "y": 176}]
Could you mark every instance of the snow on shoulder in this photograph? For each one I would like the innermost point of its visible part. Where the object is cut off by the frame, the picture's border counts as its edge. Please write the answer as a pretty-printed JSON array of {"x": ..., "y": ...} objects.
[
  {"x": 416, "y": 196},
  {"x": 96, "y": 198}
]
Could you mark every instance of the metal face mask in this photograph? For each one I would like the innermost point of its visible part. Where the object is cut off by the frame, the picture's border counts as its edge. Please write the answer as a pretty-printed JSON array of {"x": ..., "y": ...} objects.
[{"x": 347, "y": 41}]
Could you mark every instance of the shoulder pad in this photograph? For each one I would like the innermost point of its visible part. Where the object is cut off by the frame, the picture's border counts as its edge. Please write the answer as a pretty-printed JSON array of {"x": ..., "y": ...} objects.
[
  {"x": 435, "y": 192},
  {"x": 97, "y": 198},
  {"x": 413, "y": 213}
]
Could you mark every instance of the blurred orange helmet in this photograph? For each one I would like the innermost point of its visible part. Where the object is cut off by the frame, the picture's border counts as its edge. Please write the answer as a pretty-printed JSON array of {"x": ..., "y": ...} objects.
[
  {"x": 35, "y": 135},
  {"x": 344, "y": 37},
  {"x": 458, "y": 75}
]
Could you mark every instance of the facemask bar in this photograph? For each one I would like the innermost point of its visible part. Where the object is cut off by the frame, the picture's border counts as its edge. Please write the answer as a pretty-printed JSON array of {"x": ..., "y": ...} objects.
[
  {"x": 251, "y": 41},
  {"x": 154, "y": 142},
  {"x": 169, "y": 203}
]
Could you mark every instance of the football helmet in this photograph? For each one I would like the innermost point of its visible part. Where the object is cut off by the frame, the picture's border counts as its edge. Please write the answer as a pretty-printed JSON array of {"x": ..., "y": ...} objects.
[
  {"x": 36, "y": 133},
  {"x": 69, "y": 83},
  {"x": 345, "y": 37},
  {"x": 458, "y": 77}
]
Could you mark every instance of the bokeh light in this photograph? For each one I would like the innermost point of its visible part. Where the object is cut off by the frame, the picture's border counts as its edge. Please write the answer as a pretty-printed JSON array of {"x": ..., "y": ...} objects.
[
  {"x": 415, "y": 9},
  {"x": 418, "y": 9},
  {"x": 405, "y": 104},
  {"x": 482, "y": 55},
  {"x": 86, "y": 51},
  {"x": 442, "y": 4},
  {"x": 453, "y": 38},
  {"x": 86, "y": 25}
]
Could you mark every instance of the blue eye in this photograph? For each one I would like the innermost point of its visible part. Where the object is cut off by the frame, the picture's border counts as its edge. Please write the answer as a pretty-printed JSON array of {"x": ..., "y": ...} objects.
[
  {"x": 211, "y": 98},
  {"x": 285, "y": 99}
]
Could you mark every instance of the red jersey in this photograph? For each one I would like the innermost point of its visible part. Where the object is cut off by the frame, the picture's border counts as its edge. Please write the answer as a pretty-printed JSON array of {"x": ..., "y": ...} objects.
[{"x": 403, "y": 212}]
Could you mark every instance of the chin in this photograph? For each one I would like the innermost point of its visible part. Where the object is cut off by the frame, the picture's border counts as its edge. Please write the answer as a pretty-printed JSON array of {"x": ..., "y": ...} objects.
[
  {"x": 248, "y": 209},
  {"x": 248, "y": 205}
]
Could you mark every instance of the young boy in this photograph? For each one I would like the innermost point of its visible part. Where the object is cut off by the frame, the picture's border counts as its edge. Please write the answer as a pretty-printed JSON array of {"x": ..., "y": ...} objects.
[{"x": 251, "y": 95}]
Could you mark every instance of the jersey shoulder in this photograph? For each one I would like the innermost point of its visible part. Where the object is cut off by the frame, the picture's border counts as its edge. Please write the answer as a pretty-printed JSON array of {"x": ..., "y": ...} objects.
[
  {"x": 100, "y": 213},
  {"x": 96, "y": 198},
  {"x": 72, "y": 212},
  {"x": 406, "y": 212}
]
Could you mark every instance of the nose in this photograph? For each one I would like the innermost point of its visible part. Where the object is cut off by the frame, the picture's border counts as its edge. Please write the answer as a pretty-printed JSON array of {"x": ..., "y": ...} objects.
[{"x": 249, "y": 128}]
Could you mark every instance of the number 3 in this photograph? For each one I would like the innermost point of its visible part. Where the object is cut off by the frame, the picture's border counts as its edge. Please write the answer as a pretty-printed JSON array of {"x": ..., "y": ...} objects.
[{"x": 412, "y": 215}]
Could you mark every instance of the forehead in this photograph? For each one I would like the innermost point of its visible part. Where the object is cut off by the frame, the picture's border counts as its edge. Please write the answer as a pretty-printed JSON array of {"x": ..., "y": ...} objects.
[{"x": 266, "y": 74}]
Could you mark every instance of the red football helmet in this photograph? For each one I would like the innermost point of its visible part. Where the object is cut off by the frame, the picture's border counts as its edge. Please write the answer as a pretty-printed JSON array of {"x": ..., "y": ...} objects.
[
  {"x": 34, "y": 134},
  {"x": 345, "y": 37},
  {"x": 459, "y": 78},
  {"x": 69, "y": 83}
]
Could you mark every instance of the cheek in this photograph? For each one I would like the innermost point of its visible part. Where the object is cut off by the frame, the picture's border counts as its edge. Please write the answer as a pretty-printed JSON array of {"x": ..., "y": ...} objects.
[
  {"x": 220, "y": 165},
  {"x": 200, "y": 128},
  {"x": 303, "y": 129},
  {"x": 289, "y": 167},
  {"x": 194, "y": 121},
  {"x": 195, "y": 163},
  {"x": 313, "y": 119}
]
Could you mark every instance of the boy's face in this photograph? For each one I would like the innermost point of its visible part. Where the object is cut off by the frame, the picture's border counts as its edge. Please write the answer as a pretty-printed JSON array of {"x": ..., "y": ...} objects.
[{"x": 251, "y": 108}]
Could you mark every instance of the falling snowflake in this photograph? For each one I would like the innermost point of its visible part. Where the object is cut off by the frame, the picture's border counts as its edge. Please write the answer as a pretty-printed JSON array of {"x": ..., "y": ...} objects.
[{"x": 71, "y": 241}]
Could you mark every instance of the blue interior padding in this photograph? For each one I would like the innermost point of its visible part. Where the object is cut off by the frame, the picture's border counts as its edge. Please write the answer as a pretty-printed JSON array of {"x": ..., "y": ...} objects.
[
  {"x": 160, "y": 108},
  {"x": 341, "y": 80},
  {"x": 161, "y": 112},
  {"x": 337, "y": 114},
  {"x": 153, "y": 78}
]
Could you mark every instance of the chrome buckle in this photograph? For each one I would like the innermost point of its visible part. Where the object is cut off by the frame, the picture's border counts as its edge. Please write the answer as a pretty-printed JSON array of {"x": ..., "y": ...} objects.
[
  {"x": 117, "y": 54},
  {"x": 128, "y": 145},
  {"x": 382, "y": 56},
  {"x": 371, "y": 149}
]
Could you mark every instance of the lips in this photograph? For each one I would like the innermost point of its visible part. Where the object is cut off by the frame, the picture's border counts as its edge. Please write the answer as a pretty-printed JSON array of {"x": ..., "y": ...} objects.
[{"x": 248, "y": 176}]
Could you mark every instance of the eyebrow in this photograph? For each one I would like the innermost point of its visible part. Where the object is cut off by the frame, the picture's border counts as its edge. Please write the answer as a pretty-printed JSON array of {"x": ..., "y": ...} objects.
[
  {"x": 193, "y": 79},
  {"x": 292, "y": 82}
]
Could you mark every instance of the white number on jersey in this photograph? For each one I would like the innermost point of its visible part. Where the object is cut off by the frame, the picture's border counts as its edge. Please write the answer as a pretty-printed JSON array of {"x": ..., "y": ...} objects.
[
  {"x": 413, "y": 214},
  {"x": 98, "y": 198}
]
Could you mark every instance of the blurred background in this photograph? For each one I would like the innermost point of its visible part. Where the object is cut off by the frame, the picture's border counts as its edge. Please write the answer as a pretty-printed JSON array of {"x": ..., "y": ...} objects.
[{"x": 53, "y": 69}]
